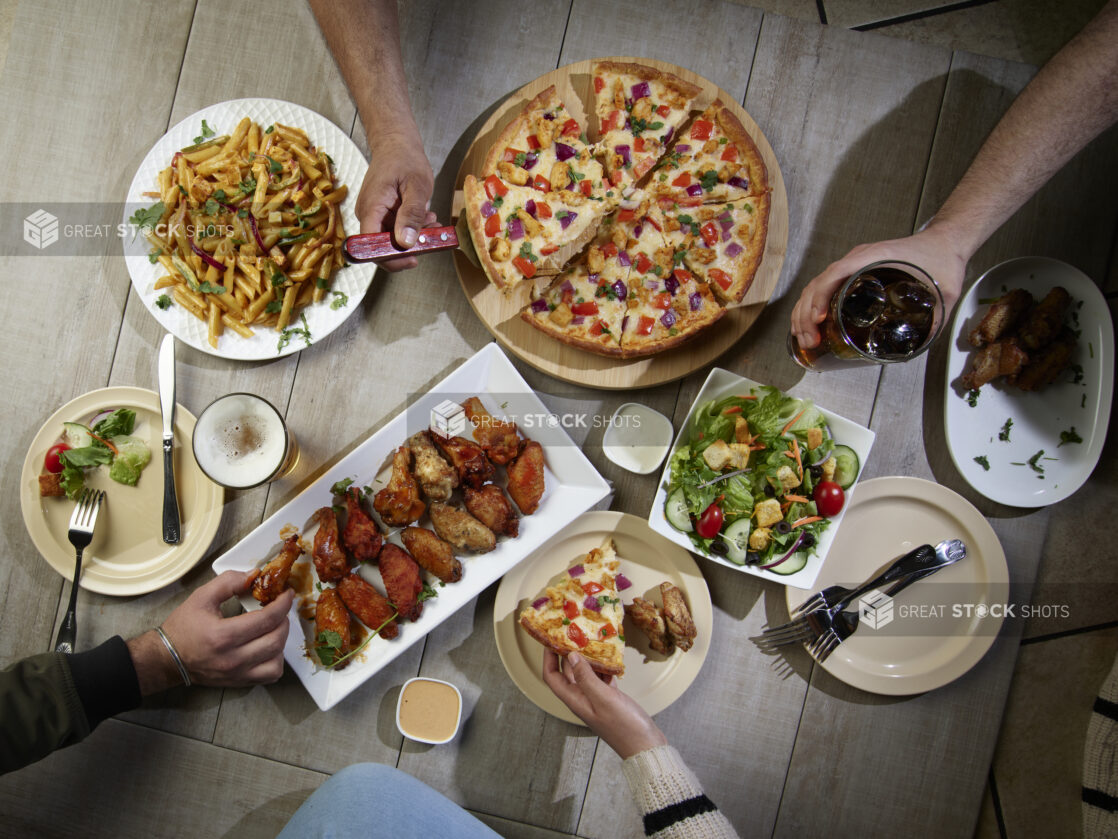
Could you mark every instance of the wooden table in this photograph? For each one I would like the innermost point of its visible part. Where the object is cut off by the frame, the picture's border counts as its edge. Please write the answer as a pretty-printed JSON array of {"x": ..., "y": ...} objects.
[{"x": 871, "y": 134}]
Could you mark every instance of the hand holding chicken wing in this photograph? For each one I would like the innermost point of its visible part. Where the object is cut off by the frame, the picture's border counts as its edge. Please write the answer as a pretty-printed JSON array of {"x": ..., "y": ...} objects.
[
  {"x": 330, "y": 562},
  {"x": 437, "y": 477},
  {"x": 399, "y": 502},
  {"x": 498, "y": 438},
  {"x": 272, "y": 578},
  {"x": 361, "y": 535}
]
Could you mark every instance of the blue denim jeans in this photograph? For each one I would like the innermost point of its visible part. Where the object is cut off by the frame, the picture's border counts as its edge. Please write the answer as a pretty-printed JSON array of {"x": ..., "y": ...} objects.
[{"x": 370, "y": 800}]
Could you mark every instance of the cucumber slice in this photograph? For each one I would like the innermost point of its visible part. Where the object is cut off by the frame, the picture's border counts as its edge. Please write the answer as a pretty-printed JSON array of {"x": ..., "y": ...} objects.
[
  {"x": 791, "y": 565},
  {"x": 676, "y": 512},
  {"x": 77, "y": 435},
  {"x": 736, "y": 539},
  {"x": 846, "y": 466}
]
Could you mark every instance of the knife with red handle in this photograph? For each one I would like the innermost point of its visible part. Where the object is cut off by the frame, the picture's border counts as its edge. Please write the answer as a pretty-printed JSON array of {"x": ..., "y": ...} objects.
[{"x": 376, "y": 247}]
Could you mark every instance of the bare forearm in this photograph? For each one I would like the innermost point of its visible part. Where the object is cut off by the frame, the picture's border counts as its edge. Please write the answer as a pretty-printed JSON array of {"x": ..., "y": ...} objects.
[
  {"x": 1071, "y": 100},
  {"x": 364, "y": 36}
]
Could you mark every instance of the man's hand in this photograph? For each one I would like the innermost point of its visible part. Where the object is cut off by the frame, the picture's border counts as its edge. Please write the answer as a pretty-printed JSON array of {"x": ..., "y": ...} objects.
[
  {"x": 229, "y": 652},
  {"x": 596, "y": 700},
  {"x": 930, "y": 249},
  {"x": 396, "y": 193}
]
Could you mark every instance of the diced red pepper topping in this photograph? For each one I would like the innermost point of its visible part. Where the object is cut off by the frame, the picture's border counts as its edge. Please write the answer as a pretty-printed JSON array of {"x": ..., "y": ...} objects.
[
  {"x": 663, "y": 300},
  {"x": 730, "y": 153},
  {"x": 701, "y": 129},
  {"x": 543, "y": 209},
  {"x": 510, "y": 154},
  {"x": 682, "y": 274},
  {"x": 494, "y": 188},
  {"x": 570, "y": 129},
  {"x": 525, "y": 266},
  {"x": 615, "y": 177},
  {"x": 723, "y": 279},
  {"x": 643, "y": 263},
  {"x": 611, "y": 122},
  {"x": 546, "y": 249},
  {"x": 645, "y": 324},
  {"x": 609, "y": 250},
  {"x": 585, "y": 187},
  {"x": 541, "y": 183},
  {"x": 588, "y": 307},
  {"x": 598, "y": 327},
  {"x": 591, "y": 587},
  {"x": 599, "y": 84},
  {"x": 663, "y": 110},
  {"x": 638, "y": 144},
  {"x": 710, "y": 233},
  {"x": 571, "y": 610},
  {"x": 625, "y": 214},
  {"x": 577, "y": 635},
  {"x": 683, "y": 180},
  {"x": 533, "y": 143},
  {"x": 493, "y": 225},
  {"x": 654, "y": 223},
  {"x": 607, "y": 631},
  {"x": 688, "y": 201}
]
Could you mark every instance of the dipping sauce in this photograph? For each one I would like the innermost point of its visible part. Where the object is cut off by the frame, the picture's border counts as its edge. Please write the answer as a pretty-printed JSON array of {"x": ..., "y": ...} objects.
[
  {"x": 637, "y": 438},
  {"x": 429, "y": 710}
]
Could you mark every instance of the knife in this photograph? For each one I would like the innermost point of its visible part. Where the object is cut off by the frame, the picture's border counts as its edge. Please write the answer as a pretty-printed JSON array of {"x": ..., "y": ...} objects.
[
  {"x": 374, "y": 247},
  {"x": 171, "y": 524}
]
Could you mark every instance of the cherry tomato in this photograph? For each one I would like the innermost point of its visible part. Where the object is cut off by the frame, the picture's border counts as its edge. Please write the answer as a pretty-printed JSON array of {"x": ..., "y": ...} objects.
[
  {"x": 52, "y": 463},
  {"x": 829, "y": 498},
  {"x": 710, "y": 522}
]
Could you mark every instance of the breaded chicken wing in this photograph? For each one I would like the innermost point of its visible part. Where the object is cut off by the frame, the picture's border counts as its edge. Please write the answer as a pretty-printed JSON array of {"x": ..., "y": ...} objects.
[
  {"x": 371, "y": 607},
  {"x": 361, "y": 536},
  {"x": 399, "y": 502},
  {"x": 677, "y": 617},
  {"x": 649, "y": 620},
  {"x": 1002, "y": 358},
  {"x": 498, "y": 438},
  {"x": 331, "y": 615},
  {"x": 330, "y": 562},
  {"x": 526, "y": 478},
  {"x": 1001, "y": 318},
  {"x": 437, "y": 477},
  {"x": 432, "y": 553},
  {"x": 1043, "y": 323},
  {"x": 272, "y": 578},
  {"x": 474, "y": 468},
  {"x": 1047, "y": 363},
  {"x": 490, "y": 506},
  {"x": 461, "y": 529},
  {"x": 402, "y": 581}
]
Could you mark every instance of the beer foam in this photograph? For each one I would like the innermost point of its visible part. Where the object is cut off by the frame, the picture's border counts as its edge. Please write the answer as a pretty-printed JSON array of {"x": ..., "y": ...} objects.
[{"x": 239, "y": 441}]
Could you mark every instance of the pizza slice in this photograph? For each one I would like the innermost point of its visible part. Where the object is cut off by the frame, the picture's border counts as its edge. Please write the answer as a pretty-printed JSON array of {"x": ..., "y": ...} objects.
[
  {"x": 639, "y": 109},
  {"x": 519, "y": 232},
  {"x": 582, "y": 309},
  {"x": 714, "y": 160},
  {"x": 582, "y": 612},
  {"x": 722, "y": 245},
  {"x": 542, "y": 134}
]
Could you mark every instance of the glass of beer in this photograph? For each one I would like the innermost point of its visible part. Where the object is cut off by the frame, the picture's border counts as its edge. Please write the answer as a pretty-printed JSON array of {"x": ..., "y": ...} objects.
[
  {"x": 241, "y": 441},
  {"x": 885, "y": 313}
]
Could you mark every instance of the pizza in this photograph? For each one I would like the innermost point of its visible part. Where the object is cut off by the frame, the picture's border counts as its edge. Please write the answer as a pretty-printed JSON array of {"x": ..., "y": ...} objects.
[
  {"x": 636, "y": 236},
  {"x": 582, "y": 612}
]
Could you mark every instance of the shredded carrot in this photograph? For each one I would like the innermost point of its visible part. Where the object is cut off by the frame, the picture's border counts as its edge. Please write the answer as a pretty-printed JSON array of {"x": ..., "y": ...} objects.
[
  {"x": 789, "y": 453},
  {"x": 733, "y": 409},
  {"x": 757, "y": 447},
  {"x": 751, "y": 398},
  {"x": 805, "y": 520},
  {"x": 108, "y": 444},
  {"x": 799, "y": 498},
  {"x": 799, "y": 463},
  {"x": 792, "y": 422}
]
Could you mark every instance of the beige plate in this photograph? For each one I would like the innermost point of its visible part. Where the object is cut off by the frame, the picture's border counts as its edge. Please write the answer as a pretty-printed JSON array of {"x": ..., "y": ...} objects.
[
  {"x": 917, "y": 650},
  {"x": 501, "y": 313},
  {"x": 128, "y": 555},
  {"x": 647, "y": 559}
]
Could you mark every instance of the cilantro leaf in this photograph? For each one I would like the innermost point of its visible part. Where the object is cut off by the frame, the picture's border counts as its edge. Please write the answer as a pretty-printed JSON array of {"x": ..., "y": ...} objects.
[
  {"x": 207, "y": 132},
  {"x": 163, "y": 301},
  {"x": 340, "y": 299},
  {"x": 148, "y": 218}
]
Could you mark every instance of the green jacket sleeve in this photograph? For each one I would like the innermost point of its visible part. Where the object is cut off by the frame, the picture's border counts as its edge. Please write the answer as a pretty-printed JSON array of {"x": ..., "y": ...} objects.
[{"x": 53, "y": 700}]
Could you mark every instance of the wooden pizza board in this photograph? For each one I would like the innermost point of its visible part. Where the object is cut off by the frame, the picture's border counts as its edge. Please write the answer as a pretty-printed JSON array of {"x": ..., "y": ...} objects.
[{"x": 500, "y": 312}]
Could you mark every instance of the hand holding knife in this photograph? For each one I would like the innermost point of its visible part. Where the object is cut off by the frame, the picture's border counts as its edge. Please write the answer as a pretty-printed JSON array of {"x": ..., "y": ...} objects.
[{"x": 171, "y": 524}]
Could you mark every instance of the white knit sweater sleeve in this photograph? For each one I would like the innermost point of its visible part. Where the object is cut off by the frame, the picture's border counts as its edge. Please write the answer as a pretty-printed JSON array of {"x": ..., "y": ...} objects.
[{"x": 670, "y": 798}]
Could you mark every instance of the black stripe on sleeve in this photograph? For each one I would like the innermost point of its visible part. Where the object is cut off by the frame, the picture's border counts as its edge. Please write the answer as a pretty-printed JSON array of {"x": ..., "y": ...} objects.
[
  {"x": 1094, "y": 797},
  {"x": 1106, "y": 708},
  {"x": 664, "y": 818}
]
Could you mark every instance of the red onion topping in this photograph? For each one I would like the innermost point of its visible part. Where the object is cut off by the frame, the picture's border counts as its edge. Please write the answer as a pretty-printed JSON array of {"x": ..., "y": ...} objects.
[
  {"x": 576, "y": 570},
  {"x": 622, "y": 582},
  {"x": 487, "y": 209},
  {"x": 516, "y": 229},
  {"x": 591, "y": 603},
  {"x": 567, "y": 287},
  {"x": 740, "y": 183},
  {"x": 623, "y": 150},
  {"x": 563, "y": 151},
  {"x": 696, "y": 301},
  {"x": 539, "y": 306},
  {"x": 209, "y": 260},
  {"x": 683, "y": 148},
  {"x": 539, "y": 603},
  {"x": 641, "y": 90},
  {"x": 671, "y": 285},
  {"x": 733, "y": 249},
  {"x": 623, "y": 258},
  {"x": 578, "y": 320},
  {"x": 668, "y": 319},
  {"x": 620, "y": 290},
  {"x": 695, "y": 190},
  {"x": 530, "y": 160},
  {"x": 565, "y": 221},
  {"x": 530, "y": 207},
  {"x": 795, "y": 545}
]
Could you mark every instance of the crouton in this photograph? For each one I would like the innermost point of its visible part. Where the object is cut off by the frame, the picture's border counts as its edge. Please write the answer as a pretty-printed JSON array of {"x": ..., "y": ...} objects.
[
  {"x": 741, "y": 431},
  {"x": 787, "y": 477},
  {"x": 767, "y": 512},
  {"x": 760, "y": 537},
  {"x": 50, "y": 484},
  {"x": 814, "y": 438},
  {"x": 829, "y": 466},
  {"x": 720, "y": 456}
]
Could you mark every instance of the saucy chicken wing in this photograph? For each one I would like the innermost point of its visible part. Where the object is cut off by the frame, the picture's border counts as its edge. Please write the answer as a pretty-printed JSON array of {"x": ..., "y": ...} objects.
[
  {"x": 437, "y": 477},
  {"x": 272, "y": 578},
  {"x": 1047, "y": 363},
  {"x": 1001, "y": 318},
  {"x": 526, "y": 480},
  {"x": 361, "y": 535},
  {"x": 399, "y": 502},
  {"x": 474, "y": 468},
  {"x": 1002, "y": 358},
  {"x": 461, "y": 529},
  {"x": 371, "y": 607},
  {"x": 331, "y": 615},
  {"x": 330, "y": 562},
  {"x": 490, "y": 506},
  {"x": 1042, "y": 324},
  {"x": 498, "y": 438},
  {"x": 402, "y": 581},
  {"x": 432, "y": 553}
]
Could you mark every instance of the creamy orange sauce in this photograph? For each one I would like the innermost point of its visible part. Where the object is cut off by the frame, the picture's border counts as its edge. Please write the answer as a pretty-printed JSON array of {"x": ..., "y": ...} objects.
[{"x": 429, "y": 710}]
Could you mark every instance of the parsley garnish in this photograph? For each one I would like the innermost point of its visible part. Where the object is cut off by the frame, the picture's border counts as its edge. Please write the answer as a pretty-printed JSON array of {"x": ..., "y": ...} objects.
[
  {"x": 292, "y": 331},
  {"x": 270, "y": 129},
  {"x": 972, "y": 398},
  {"x": 520, "y": 159},
  {"x": 321, "y": 282},
  {"x": 1069, "y": 436},
  {"x": 526, "y": 252},
  {"x": 575, "y": 176},
  {"x": 153, "y": 257},
  {"x": 427, "y": 593},
  {"x": 983, "y": 462},
  {"x": 207, "y": 132},
  {"x": 341, "y": 487},
  {"x": 210, "y": 288},
  {"x": 146, "y": 219},
  {"x": 340, "y": 299},
  {"x": 210, "y": 207},
  {"x": 1003, "y": 435},
  {"x": 163, "y": 302},
  {"x": 708, "y": 180},
  {"x": 274, "y": 307},
  {"x": 498, "y": 201},
  {"x": 248, "y": 186},
  {"x": 277, "y": 279}
]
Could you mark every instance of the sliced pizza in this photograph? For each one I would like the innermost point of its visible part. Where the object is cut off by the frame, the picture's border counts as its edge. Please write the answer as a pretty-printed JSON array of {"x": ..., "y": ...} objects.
[
  {"x": 540, "y": 136},
  {"x": 582, "y": 612},
  {"x": 714, "y": 160},
  {"x": 639, "y": 109},
  {"x": 582, "y": 309}
]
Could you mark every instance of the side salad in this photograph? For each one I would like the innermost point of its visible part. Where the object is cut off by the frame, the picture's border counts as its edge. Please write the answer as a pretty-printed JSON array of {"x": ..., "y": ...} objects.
[
  {"x": 106, "y": 441},
  {"x": 758, "y": 479}
]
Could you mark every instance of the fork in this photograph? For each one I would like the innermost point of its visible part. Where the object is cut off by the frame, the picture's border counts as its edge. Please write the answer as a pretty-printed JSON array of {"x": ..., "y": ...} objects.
[{"x": 80, "y": 534}]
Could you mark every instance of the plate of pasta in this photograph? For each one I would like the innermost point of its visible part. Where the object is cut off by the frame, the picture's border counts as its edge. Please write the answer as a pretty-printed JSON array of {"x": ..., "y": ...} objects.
[{"x": 239, "y": 213}]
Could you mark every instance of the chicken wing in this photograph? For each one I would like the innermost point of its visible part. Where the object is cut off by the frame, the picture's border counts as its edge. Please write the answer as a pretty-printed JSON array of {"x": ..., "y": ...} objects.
[
  {"x": 272, "y": 578},
  {"x": 649, "y": 620},
  {"x": 331, "y": 615},
  {"x": 432, "y": 553},
  {"x": 1047, "y": 363},
  {"x": 399, "y": 502},
  {"x": 490, "y": 506},
  {"x": 330, "y": 561},
  {"x": 461, "y": 529},
  {"x": 526, "y": 480},
  {"x": 1001, "y": 318},
  {"x": 474, "y": 468},
  {"x": 402, "y": 581},
  {"x": 371, "y": 607},
  {"x": 1002, "y": 358},
  {"x": 361, "y": 535},
  {"x": 498, "y": 438},
  {"x": 677, "y": 617},
  {"x": 437, "y": 477},
  {"x": 1043, "y": 323}
]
